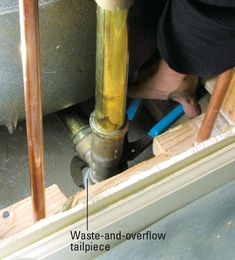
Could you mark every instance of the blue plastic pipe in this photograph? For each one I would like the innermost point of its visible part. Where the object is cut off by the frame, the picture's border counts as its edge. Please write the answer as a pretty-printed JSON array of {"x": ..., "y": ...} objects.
[
  {"x": 166, "y": 121},
  {"x": 163, "y": 124},
  {"x": 133, "y": 108}
]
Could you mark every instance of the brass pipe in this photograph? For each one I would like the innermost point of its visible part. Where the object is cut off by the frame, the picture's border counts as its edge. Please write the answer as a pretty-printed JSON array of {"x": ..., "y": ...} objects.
[
  {"x": 79, "y": 132},
  {"x": 29, "y": 29},
  {"x": 214, "y": 106},
  {"x": 111, "y": 69},
  {"x": 106, "y": 152},
  {"x": 108, "y": 122},
  {"x": 73, "y": 121}
]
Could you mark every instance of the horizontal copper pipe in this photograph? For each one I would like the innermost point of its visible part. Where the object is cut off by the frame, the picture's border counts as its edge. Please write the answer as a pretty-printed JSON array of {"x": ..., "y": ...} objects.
[
  {"x": 214, "y": 106},
  {"x": 29, "y": 28}
]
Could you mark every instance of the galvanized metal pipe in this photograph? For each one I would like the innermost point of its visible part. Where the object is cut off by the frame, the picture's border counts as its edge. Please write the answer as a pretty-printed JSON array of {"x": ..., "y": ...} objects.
[
  {"x": 108, "y": 122},
  {"x": 30, "y": 51}
]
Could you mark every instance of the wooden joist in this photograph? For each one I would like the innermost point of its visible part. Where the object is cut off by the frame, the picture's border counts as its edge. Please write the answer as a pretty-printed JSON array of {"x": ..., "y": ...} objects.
[{"x": 19, "y": 215}]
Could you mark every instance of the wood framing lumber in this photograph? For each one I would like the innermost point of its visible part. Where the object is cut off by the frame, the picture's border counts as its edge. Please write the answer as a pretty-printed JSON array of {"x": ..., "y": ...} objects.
[
  {"x": 178, "y": 139},
  {"x": 19, "y": 215}
]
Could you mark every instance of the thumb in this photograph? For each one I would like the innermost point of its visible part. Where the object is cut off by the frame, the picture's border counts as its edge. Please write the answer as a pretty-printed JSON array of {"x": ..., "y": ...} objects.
[{"x": 190, "y": 105}]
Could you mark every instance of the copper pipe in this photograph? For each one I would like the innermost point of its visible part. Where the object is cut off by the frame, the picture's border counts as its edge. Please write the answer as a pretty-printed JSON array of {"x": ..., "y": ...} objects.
[
  {"x": 214, "y": 106},
  {"x": 29, "y": 29}
]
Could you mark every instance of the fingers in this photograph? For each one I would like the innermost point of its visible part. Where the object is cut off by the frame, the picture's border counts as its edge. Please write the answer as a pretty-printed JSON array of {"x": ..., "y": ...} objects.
[
  {"x": 190, "y": 105},
  {"x": 163, "y": 83}
]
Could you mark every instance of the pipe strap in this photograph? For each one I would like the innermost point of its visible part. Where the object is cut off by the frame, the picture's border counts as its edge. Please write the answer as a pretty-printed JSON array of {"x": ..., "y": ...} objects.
[{"x": 115, "y": 5}]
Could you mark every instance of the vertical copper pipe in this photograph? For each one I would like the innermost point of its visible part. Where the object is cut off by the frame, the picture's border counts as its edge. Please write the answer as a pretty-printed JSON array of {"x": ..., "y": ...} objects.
[
  {"x": 215, "y": 104},
  {"x": 29, "y": 28}
]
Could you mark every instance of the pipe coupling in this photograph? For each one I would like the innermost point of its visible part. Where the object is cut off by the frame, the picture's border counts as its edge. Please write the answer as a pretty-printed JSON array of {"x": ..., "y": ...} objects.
[
  {"x": 106, "y": 151},
  {"x": 115, "y": 5}
]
